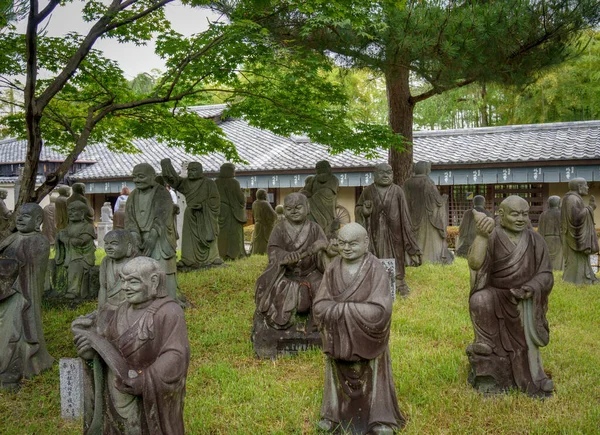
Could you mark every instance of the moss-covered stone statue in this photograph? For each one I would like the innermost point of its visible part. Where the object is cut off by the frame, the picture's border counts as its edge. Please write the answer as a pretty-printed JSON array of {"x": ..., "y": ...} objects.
[
  {"x": 23, "y": 261},
  {"x": 466, "y": 230},
  {"x": 549, "y": 226},
  {"x": 428, "y": 210},
  {"x": 5, "y": 213},
  {"x": 264, "y": 221},
  {"x": 511, "y": 279},
  {"x": 232, "y": 216},
  {"x": 120, "y": 247},
  {"x": 78, "y": 195},
  {"x": 321, "y": 191},
  {"x": 383, "y": 211},
  {"x": 579, "y": 234},
  {"x": 353, "y": 308},
  {"x": 62, "y": 215},
  {"x": 201, "y": 217},
  {"x": 298, "y": 252}
]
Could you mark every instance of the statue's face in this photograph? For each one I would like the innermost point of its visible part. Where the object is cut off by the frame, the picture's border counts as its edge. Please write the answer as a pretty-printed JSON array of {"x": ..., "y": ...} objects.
[
  {"x": 295, "y": 211},
  {"x": 143, "y": 180},
  {"x": 137, "y": 288},
  {"x": 27, "y": 221},
  {"x": 76, "y": 214},
  {"x": 583, "y": 189},
  {"x": 194, "y": 172},
  {"x": 384, "y": 175},
  {"x": 115, "y": 248},
  {"x": 514, "y": 217},
  {"x": 353, "y": 245}
]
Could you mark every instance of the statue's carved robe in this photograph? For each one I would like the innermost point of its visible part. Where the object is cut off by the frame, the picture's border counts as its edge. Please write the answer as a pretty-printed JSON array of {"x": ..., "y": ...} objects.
[
  {"x": 579, "y": 239},
  {"x": 77, "y": 258},
  {"x": 389, "y": 225},
  {"x": 322, "y": 199},
  {"x": 264, "y": 221},
  {"x": 232, "y": 218},
  {"x": 354, "y": 318},
  {"x": 62, "y": 215},
  {"x": 22, "y": 272},
  {"x": 49, "y": 225},
  {"x": 515, "y": 330},
  {"x": 549, "y": 227},
  {"x": 466, "y": 231}
]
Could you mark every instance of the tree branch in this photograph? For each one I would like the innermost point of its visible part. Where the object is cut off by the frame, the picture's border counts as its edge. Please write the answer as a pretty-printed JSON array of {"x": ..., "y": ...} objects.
[
  {"x": 438, "y": 90},
  {"x": 46, "y": 11}
]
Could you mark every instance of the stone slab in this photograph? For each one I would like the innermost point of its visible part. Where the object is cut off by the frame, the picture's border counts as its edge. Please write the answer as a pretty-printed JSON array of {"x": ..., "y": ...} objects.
[
  {"x": 71, "y": 388},
  {"x": 390, "y": 267}
]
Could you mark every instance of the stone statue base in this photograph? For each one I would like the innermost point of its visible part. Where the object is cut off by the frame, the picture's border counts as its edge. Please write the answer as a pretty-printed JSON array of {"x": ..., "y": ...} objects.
[
  {"x": 102, "y": 230},
  {"x": 269, "y": 342}
]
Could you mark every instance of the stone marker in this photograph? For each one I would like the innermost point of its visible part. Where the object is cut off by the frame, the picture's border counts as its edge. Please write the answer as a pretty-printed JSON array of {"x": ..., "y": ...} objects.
[
  {"x": 106, "y": 224},
  {"x": 62, "y": 215},
  {"x": 71, "y": 388},
  {"x": 264, "y": 221},
  {"x": 390, "y": 267},
  {"x": 511, "y": 279},
  {"x": 549, "y": 226},
  {"x": 49, "y": 225},
  {"x": 321, "y": 190},
  {"x": 353, "y": 308},
  {"x": 466, "y": 231},
  {"x": 232, "y": 216}
]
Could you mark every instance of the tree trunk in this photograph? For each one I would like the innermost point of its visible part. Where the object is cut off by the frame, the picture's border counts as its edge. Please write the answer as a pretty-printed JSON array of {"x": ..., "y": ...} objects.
[{"x": 401, "y": 110}]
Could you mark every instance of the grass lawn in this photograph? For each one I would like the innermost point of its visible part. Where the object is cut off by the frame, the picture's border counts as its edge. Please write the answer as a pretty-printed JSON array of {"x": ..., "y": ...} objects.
[{"x": 230, "y": 391}]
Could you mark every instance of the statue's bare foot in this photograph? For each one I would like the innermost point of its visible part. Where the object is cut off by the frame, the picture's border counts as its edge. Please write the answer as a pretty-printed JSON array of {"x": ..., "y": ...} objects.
[
  {"x": 381, "y": 429},
  {"x": 479, "y": 349},
  {"x": 326, "y": 425},
  {"x": 547, "y": 385}
]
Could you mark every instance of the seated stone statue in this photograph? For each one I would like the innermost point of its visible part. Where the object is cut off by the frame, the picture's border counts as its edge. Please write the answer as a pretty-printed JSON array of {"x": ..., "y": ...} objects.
[
  {"x": 353, "y": 308},
  {"x": 75, "y": 251},
  {"x": 232, "y": 216},
  {"x": 579, "y": 234},
  {"x": 285, "y": 290},
  {"x": 511, "y": 278},
  {"x": 549, "y": 227},
  {"x": 466, "y": 231},
  {"x": 145, "y": 350},
  {"x": 23, "y": 261},
  {"x": 321, "y": 191},
  {"x": 264, "y": 221}
]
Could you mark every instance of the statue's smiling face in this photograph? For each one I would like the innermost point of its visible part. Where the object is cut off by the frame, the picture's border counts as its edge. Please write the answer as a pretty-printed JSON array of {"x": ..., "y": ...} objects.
[
  {"x": 295, "y": 208},
  {"x": 353, "y": 242},
  {"x": 26, "y": 221},
  {"x": 136, "y": 288},
  {"x": 143, "y": 179},
  {"x": 115, "y": 248},
  {"x": 514, "y": 214},
  {"x": 384, "y": 175}
]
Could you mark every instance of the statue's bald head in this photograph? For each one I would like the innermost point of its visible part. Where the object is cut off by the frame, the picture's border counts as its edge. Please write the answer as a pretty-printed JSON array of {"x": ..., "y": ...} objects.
[
  {"x": 422, "y": 168},
  {"x": 149, "y": 272},
  {"x": 261, "y": 194},
  {"x": 554, "y": 201},
  {"x": 514, "y": 213},
  {"x": 227, "y": 170},
  {"x": 384, "y": 174},
  {"x": 144, "y": 168},
  {"x": 579, "y": 185},
  {"x": 79, "y": 188},
  {"x": 353, "y": 241},
  {"x": 323, "y": 166},
  {"x": 479, "y": 201},
  {"x": 64, "y": 190},
  {"x": 295, "y": 198},
  {"x": 514, "y": 202}
]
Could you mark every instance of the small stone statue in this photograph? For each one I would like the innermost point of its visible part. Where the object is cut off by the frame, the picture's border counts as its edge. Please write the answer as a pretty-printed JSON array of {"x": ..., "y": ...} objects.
[
  {"x": 264, "y": 221},
  {"x": 149, "y": 216},
  {"x": 579, "y": 234},
  {"x": 428, "y": 210},
  {"x": 511, "y": 279},
  {"x": 5, "y": 213},
  {"x": 78, "y": 194},
  {"x": 549, "y": 227},
  {"x": 120, "y": 247},
  {"x": 201, "y": 217},
  {"x": 321, "y": 191},
  {"x": 23, "y": 261},
  {"x": 62, "y": 215},
  {"x": 146, "y": 352},
  {"x": 106, "y": 213},
  {"x": 106, "y": 224},
  {"x": 119, "y": 216},
  {"x": 233, "y": 214},
  {"x": 353, "y": 308},
  {"x": 284, "y": 292},
  {"x": 466, "y": 231},
  {"x": 383, "y": 212},
  {"x": 75, "y": 251},
  {"x": 49, "y": 225},
  {"x": 280, "y": 213}
]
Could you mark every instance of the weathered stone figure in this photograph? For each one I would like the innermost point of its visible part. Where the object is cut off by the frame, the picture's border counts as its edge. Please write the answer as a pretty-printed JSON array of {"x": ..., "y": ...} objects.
[
  {"x": 49, "y": 225},
  {"x": 106, "y": 213},
  {"x": 353, "y": 307},
  {"x": 383, "y": 212},
  {"x": 280, "y": 213},
  {"x": 5, "y": 213},
  {"x": 321, "y": 191},
  {"x": 579, "y": 234},
  {"x": 201, "y": 217},
  {"x": 549, "y": 227},
  {"x": 120, "y": 247},
  {"x": 428, "y": 210},
  {"x": 232, "y": 216},
  {"x": 466, "y": 231},
  {"x": 119, "y": 216},
  {"x": 511, "y": 278},
  {"x": 75, "y": 251},
  {"x": 149, "y": 216},
  {"x": 62, "y": 215},
  {"x": 78, "y": 194},
  {"x": 145, "y": 348},
  {"x": 264, "y": 221},
  {"x": 23, "y": 262},
  {"x": 285, "y": 290}
]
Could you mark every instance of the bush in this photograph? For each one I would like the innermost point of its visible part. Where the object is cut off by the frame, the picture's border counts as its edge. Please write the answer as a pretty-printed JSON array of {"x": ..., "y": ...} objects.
[
  {"x": 248, "y": 230},
  {"x": 451, "y": 236}
]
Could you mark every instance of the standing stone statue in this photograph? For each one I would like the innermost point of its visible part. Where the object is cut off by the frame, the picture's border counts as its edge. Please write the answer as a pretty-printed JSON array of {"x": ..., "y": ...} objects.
[
  {"x": 78, "y": 194},
  {"x": 5, "y": 213},
  {"x": 149, "y": 216},
  {"x": 353, "y": 308},
  {"x": 232, "y": 216},
  {"x": 120, "y": 247},
  {"x": 62, "y": 215},
  {"x": 511, "y": 279},
  {"x": 106, "y": 224},
  {"x": 280, "y": 213},
  {"x": 264, "y": 221},
  {"x": 145, "y": 349},
  {"x": 106, "y": 213},
  {"x": 321, "y": 191},
  {"x": 579, "y": 234},
  {"x": 549, "y": 227},
  {"x": 119, "y": 216},
  {"x": 201, "y": 217},
  {"x": 49, "y": 225},
  {"x": 283, "y": 320},
  {"x": 75, "y": 251},
  {"x": 23, "y": 261},
  {"x": 383, "y": 212},
  {"x": 466, "y": 231},
  {"x": 428, "y": 210}
]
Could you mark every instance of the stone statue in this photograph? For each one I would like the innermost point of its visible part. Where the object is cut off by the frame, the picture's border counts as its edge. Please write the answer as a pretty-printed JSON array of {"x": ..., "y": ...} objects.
[
  {"x": 106, "y": 224},
  {"x": 145, "y": 349},
  {"x": 49, "y": 225},
  {"x": 511, "y": 279},
  {"x": 321, "y": 191},
  {"x": 353, "y": 308},
  {"x": 119, "y": 216},
  {"x": 62, "y": 215},
  {"x": 149, "y": 216},
  {"x": 280, "y": 213},
  {"x": 549, "y": 227},
  {"x": 466, "y": 231},
  {"x": 579, "y": 234},
  {"x": 120, "y": 247},
  {"x": 5, "y": 213},
  {"x": 78, "y": 194},
  {"x": 106, "y": 213},
  {"x": 23, "y": 261},
  {"x": 75, "y": 251},
  {"x": 428, "y": 210},
  {"x": 201, "y": 217},
  {"x": 284, "y": 292},
  {"x": 383, "y": 212},
  {"x": 264, "y": 221},
  {"x": 232, "y": 216}
]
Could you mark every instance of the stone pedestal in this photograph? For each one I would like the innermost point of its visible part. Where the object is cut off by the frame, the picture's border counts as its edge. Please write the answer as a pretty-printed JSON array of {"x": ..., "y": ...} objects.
[
  {"x": 103, "y": 229},
  {"x": 490, "y": 374}
]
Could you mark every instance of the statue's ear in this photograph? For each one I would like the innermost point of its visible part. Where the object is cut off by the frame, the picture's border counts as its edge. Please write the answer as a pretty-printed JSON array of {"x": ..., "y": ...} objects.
[
  {"x": 155, "y": 282},
  {"x": 38, "y": 223}
]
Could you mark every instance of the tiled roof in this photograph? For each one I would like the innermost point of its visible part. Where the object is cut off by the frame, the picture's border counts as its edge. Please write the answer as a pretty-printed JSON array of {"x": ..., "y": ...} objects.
[
  {"x": 208, "y": 111},
  {"x": 13, "y": 151}
]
